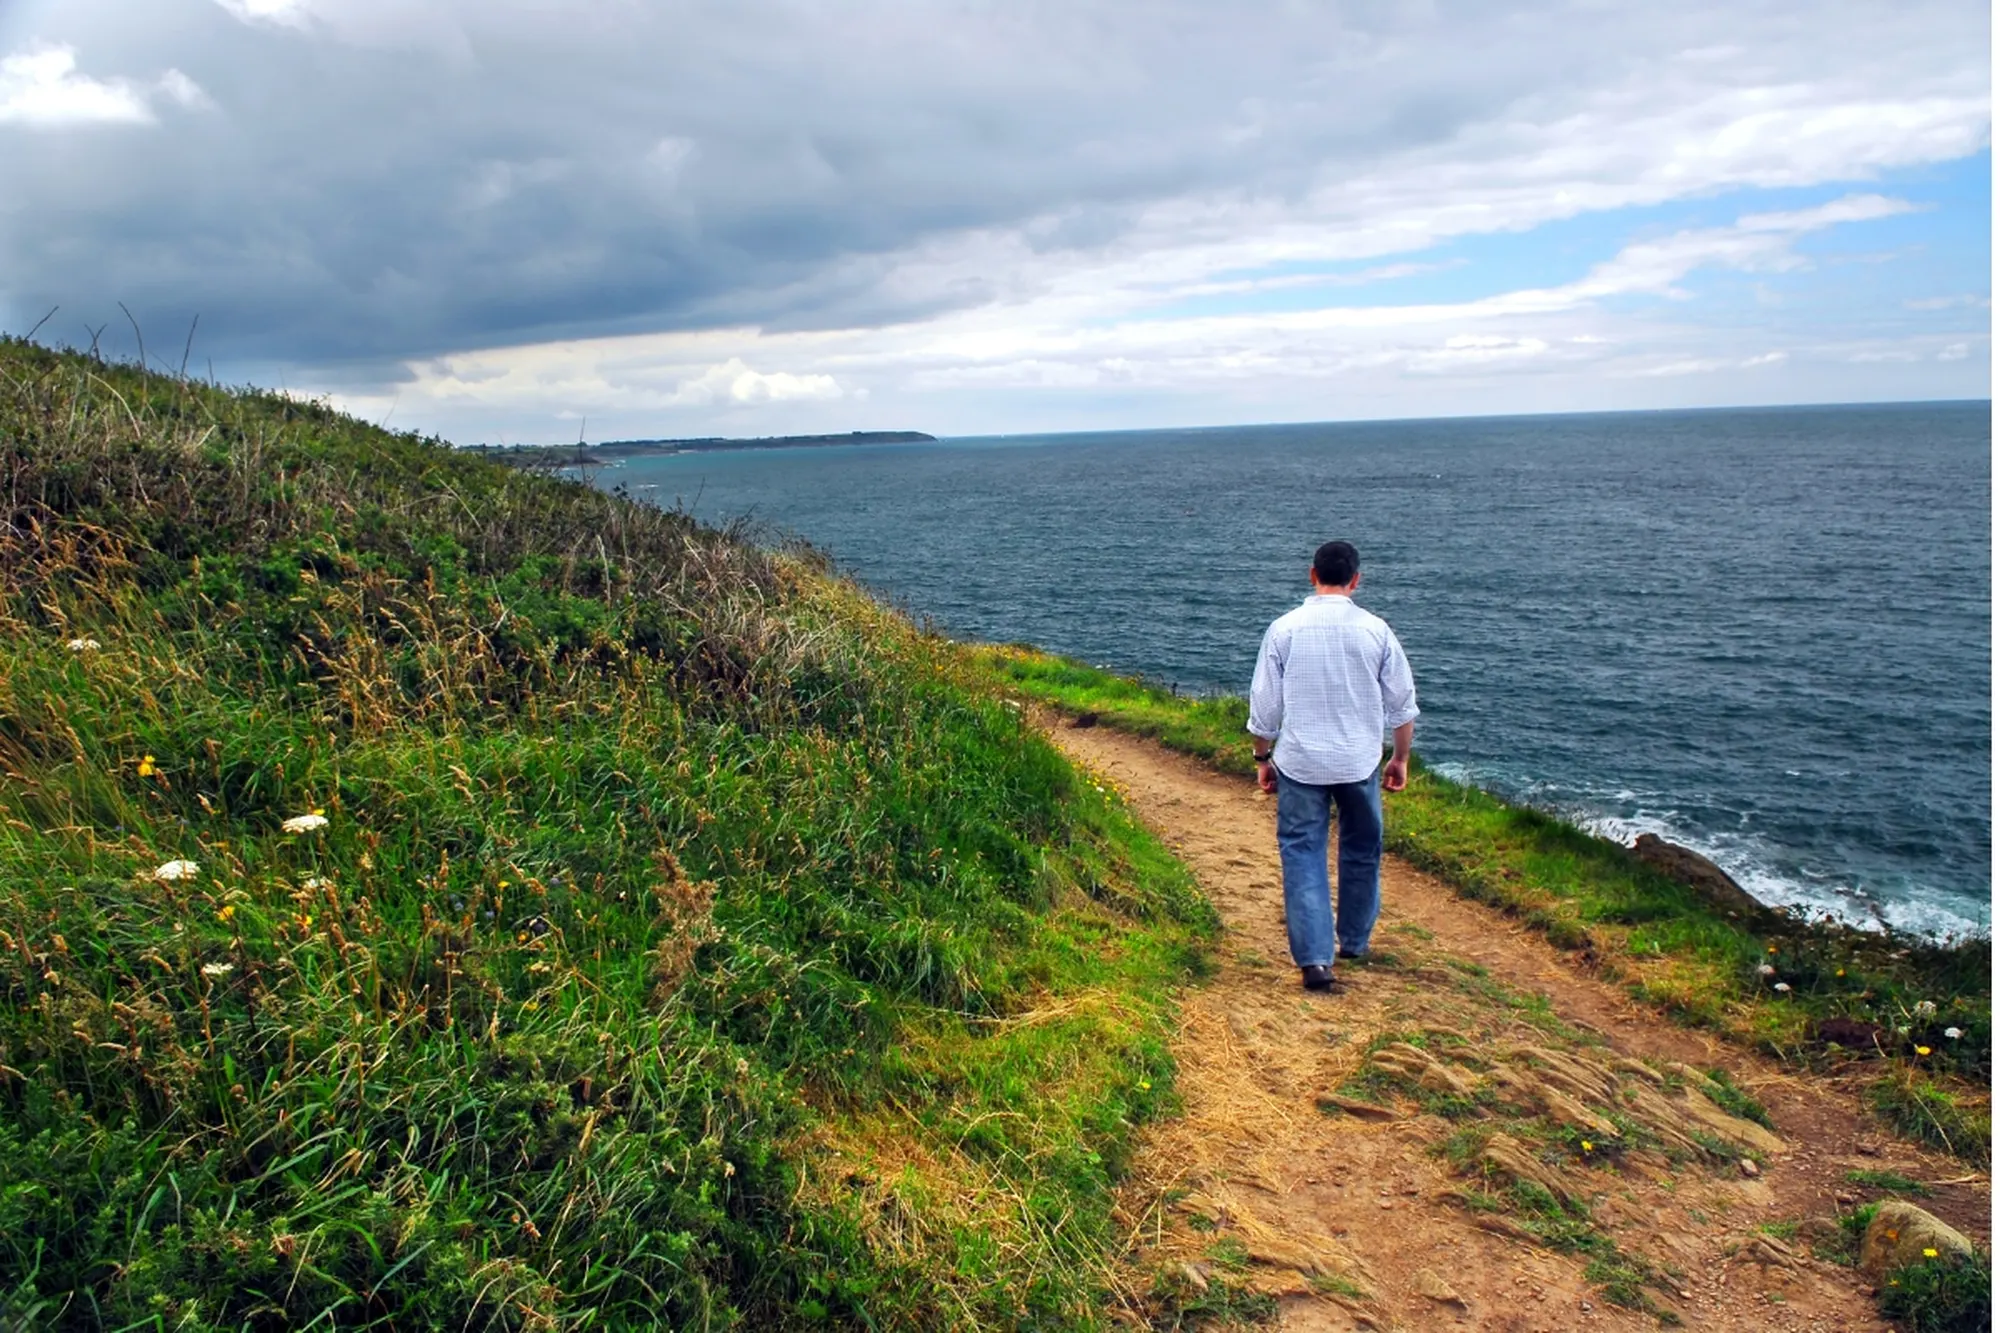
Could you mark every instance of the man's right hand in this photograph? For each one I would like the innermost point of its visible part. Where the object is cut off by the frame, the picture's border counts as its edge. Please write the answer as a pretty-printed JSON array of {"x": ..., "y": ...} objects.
[{"x": 1267, "y": 777}]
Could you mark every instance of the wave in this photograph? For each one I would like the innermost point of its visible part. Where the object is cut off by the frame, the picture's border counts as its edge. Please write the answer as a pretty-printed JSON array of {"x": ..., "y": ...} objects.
[{"x": 1915, "y": 909}]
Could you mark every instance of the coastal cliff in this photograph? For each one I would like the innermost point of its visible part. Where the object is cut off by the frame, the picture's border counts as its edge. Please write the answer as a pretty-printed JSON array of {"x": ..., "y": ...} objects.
[{"x": 436, "y": 894}]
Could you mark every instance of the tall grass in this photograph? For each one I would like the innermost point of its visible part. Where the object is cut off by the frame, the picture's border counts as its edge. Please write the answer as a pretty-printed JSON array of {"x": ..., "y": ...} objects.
[{"x": 682, "y": 946}]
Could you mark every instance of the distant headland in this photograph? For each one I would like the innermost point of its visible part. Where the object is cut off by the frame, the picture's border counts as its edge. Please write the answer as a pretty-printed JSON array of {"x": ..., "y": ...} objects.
[{"x": 608, "y": 450}]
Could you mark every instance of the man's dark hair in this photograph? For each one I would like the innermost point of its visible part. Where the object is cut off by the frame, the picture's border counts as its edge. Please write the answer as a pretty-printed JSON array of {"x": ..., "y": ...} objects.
[{"x": 1335, "y": 564}]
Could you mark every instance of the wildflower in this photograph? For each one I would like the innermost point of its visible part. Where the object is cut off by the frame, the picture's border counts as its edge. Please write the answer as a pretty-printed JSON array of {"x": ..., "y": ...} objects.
[
  {"x": 1923, "y": 1050},
  {"x": 1953, "y": 1033},
  {"x": 85, "y": 645},
  {"x": 1840, "y": 971},
  {"x": 1145, "y": 1085},
  {"x": 174, "y": 870},
  {"x": 315, "y": 882},
  {"x": 1772, "y": 949},
  {"x": 1783, "y": 988},
  {"x": 147, "y": 768},
  {"x": 1588, "y": 1145},
  {"x": 226, "y": 913},
  {"x": 1766, "y": 970},
  {"x": 532, "y": 1005},
  {"x": 1929, "y": 1253},
  {"x": 304, "y": 823},
  {"x": 217, "y": 969},
  {"x": 1924, "y": 1009}
]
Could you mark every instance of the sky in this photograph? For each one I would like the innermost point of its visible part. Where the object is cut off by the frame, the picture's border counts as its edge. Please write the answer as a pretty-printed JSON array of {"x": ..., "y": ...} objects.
[{"x": 501, "y": 221}]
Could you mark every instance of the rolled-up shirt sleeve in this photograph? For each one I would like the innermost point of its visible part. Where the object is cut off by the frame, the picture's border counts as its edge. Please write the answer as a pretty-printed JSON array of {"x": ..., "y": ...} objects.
[
  {"x": 1399, "y": 688},
  {"x": 1267, "y": 688}
]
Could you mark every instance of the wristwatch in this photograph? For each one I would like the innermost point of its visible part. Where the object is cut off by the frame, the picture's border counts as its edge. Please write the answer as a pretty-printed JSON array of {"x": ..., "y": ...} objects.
[{"x": 1260, "y": 758}]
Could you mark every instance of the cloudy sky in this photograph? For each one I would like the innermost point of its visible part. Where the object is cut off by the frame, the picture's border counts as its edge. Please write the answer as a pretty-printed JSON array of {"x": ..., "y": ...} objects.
[{"x": 488, "y": 218}]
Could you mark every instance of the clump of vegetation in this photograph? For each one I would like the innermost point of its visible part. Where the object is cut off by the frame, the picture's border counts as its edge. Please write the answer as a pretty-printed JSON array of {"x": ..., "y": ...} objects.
[
  {"x": 1890, "y": 1182},
  {"x": 1951, "y": 1294},
  {"x": 1721, "y": 1089},
  {"x": 433, "y": 895},
  {"x": 1815, "y": 992},
  {"x": 1920, "y": 1108}
]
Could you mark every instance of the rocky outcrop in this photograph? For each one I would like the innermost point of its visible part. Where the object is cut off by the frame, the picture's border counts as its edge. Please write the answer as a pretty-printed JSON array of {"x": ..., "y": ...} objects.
[{"x": 1704, "y": 876}]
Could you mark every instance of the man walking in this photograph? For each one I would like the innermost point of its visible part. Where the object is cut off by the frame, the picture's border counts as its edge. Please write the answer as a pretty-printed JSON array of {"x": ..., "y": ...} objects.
[{"x": 1331, "y": 678}]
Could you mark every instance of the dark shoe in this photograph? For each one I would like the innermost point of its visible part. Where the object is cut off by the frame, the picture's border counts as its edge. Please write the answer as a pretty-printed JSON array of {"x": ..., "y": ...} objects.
[
  {"x": 1317, "y": 977},
  {"x": 1349, "y": 954}
]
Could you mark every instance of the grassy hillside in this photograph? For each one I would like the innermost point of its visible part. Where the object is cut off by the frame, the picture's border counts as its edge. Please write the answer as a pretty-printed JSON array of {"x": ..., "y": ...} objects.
[
  {"x": 1919, "y": 1011},
  {"x": 437, "y": 896}
]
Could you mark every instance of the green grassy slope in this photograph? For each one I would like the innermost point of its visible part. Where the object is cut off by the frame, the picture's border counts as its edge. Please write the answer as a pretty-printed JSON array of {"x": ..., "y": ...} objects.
[
  {"x": 671, "y": 937},
  {"x": 1929, "y": 1004}
]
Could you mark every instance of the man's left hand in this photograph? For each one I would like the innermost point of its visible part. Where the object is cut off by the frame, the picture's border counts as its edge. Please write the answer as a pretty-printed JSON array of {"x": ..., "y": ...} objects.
[{"x": 1395, "y": 775}]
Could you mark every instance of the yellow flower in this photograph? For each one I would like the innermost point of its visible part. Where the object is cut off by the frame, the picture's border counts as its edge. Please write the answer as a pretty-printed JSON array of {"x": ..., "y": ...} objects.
[
  {"x": 1840, "y": 971},
  {"x": 226, "y": 913},
  {"x": 1929, "y": 1253},
  {"x": 1587, "y": 1145},
  {"x": 1923, "y": 1050},
  {"x": 532, "y": 1005},
  {"x": 147, "y": 767},
  {"x": 1772, "y": 949}
]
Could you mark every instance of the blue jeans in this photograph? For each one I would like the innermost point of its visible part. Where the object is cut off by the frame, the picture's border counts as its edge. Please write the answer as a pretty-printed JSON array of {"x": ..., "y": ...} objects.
[{"x": 1303, "y": 815}]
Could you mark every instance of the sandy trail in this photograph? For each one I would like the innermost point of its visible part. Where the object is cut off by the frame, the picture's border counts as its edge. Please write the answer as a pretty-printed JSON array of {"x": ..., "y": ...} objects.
[{"x": 1359, "y": 1221}]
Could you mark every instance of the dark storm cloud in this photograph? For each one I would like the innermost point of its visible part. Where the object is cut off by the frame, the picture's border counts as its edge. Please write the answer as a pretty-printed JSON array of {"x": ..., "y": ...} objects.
[{"x": 366, "y": 181}]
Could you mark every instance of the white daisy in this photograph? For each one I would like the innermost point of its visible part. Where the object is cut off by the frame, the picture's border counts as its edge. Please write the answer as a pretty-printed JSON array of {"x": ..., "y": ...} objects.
[
  {"x": 173, "y": 870},
  {"x": 217, "y": 969},
  {"x": 1953, "y": 1033},
  {"x": 85, "y": 645},
  {"x": 1783, "y": 988},
  {"x": 304, "y": 823}
]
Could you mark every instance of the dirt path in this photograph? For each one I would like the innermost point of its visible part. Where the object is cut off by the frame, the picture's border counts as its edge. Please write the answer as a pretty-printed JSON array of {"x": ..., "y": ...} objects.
[{"x": 1493, "y": 1061}]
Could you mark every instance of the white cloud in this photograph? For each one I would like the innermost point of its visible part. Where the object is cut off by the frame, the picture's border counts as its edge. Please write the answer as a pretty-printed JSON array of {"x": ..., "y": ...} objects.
[
  {"x": 1764, "y": 359},
  {"x": 1962, "y": 301},
  {"x": 1955, "y": 352},
  {"x": 183, "y": 91},
  {"x": 42, "y": 88},
  {"x": 735, "y": 382},
  {"x": 287, "y": 13}
]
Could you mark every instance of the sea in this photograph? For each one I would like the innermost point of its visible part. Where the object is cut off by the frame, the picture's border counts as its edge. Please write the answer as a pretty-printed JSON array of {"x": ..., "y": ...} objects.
[{"x": 1761, "y": 633}]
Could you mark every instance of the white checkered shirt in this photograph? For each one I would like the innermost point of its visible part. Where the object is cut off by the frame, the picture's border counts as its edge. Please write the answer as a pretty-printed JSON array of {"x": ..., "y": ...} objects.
[{"x": 1331, "y": 679}]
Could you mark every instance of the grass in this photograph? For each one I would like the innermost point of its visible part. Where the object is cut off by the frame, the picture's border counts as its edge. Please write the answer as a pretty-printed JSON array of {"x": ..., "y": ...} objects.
[
  {"x": 1889, "y": 1182},
  {"x": 1668, "y": 945},
  {"x": 687, "y": 943},
  {"x": 1719, "y": 1088}
]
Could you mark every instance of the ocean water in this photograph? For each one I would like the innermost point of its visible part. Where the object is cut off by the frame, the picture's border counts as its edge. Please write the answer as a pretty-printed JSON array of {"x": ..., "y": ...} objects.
[{"x": 1763, "y": 633}]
